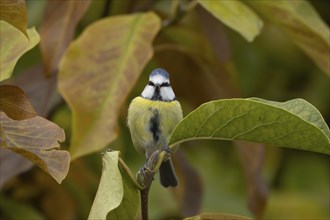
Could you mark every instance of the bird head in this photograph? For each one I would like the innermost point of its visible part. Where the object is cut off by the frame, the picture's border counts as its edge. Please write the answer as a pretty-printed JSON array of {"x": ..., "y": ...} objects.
[{"x": 159, "y": 87}]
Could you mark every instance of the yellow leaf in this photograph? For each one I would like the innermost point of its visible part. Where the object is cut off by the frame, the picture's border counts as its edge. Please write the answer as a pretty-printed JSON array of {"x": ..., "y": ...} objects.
[
  {"x": 13, "y": 44},
  {"x": 236, "y": 15},
  {"x": 97, "y": 72}
]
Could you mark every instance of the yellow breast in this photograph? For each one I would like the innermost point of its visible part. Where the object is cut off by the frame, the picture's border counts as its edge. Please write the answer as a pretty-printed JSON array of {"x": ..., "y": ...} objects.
[{"x": 152, "y": 122}]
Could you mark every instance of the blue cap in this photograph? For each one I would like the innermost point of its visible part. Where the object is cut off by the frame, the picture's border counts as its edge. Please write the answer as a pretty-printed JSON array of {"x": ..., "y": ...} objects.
[{"x": 160, "y": 71}]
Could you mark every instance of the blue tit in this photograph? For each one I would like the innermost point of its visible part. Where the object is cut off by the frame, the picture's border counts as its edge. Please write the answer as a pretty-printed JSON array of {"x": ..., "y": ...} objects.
[{"x": 151, "y": 119}]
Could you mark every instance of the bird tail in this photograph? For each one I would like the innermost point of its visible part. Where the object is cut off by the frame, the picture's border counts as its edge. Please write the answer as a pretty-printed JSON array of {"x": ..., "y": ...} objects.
[{"x": 167, "y": 174}]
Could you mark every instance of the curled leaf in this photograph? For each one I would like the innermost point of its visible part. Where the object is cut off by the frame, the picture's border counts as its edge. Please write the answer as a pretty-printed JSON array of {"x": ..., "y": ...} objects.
[
  {"x": 236, "y": 15},
  {"x": 114, "y": 52},
  {"x": 14, "y": 12},
  {"x": 130, "y": 203},
  {"x": 37, "y": 140},
  {"x": 13, "y": 44},
  {"x": 110, "y": 191},
  {"x": 294, "y": 124}
]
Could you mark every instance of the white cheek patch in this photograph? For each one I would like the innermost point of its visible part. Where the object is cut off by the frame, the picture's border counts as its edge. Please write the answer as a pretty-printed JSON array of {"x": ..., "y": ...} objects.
[
  {"x": 167, "y": 93},
  {"x": 158, "y": 79},
  {"x": 148, "y": 92}
]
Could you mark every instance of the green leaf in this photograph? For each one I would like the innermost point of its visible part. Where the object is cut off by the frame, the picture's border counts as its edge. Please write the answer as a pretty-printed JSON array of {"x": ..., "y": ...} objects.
[
  {"x": 236, "y": 15},
  {"x": 57, "y": 29},
  {"x": 114, "y": 52},
  {"x": 303, "y": 25},
  {"x": 217, "y": 216},
  {"x": 37, "y": 140},
  {"x": 130, "y": 203},
  {"x": 294, "y": 124},
  {"x": 13, "y": 44},
  {"x": 14, "y": 12}
]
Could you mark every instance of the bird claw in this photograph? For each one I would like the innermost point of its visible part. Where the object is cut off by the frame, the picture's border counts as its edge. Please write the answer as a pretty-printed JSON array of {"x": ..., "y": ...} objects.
[{"x": 167, "y": 150}]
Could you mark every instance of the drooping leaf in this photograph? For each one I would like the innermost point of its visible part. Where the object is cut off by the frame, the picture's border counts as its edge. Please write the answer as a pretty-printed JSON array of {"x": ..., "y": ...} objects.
[
  {"x": 114, "y": 51},
  {"x": 13, "y": 44},
  {"x": 110, "y": 192},
  {"x": 37, "y": 140},
  {"x": 236, "y": 15},
  {"x": 251, "y": 156},
  {"x": 304, "y": 26},
  {"x": 294, "y": 124},
  {"x": 57, "y": 29},
  {"x": 15, "y": 103},
  {"x": 217, "y": 216},
  {"x": 131, "y": 200},
  {"x": 14, "y": 12}
]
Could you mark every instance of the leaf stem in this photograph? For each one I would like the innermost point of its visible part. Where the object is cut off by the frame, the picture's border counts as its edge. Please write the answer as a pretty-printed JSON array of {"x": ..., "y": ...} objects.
[{"x": 130, "y": 174}]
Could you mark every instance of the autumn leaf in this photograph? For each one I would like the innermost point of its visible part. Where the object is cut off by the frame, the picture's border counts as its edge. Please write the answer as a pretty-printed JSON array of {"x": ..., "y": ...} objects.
[
  {"x": 37, "y": 140},
  {"x": 14, "y": 12},
  {"x": 13, "y": 44},
  {"x": 15, "y": 103},
  {"x": 114, "y": 52},
  {"x": 63, "y": 16}
]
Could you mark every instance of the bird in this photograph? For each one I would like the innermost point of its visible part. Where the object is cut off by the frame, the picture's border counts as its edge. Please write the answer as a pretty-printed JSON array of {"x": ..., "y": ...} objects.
[{"x": 151, "y": 118}]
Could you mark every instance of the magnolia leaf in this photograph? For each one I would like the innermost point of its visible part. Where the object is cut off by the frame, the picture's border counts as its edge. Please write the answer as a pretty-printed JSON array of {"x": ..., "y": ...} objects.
[
  {"x": 114, "y": 52},
  {"x": 57, "y": 29},
  {"x": 14, "y": 12},
  {"x": 236, "y": 15},
  {"x": 110, "y": 192},
  {"x": 15, "y": 103},
  {"x": 217, "y": 216},
  {"x": 304, "y": 26},
  {"x": 13, "y": 44},
  {"x": 130, "y": 203},
  {"x": 294, "y": 124},
  {"x": 37, "y": 140}
]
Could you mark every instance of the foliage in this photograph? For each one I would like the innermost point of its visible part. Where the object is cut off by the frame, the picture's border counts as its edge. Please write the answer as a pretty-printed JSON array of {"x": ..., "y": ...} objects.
[{"x": 95, "y": 56}]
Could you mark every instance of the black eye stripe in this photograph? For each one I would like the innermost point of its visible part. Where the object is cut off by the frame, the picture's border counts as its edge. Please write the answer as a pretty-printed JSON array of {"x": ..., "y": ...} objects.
[{"x": 165, "y": 84}]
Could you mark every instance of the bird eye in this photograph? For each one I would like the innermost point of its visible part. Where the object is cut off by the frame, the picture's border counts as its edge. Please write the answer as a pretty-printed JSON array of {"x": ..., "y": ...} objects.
[
  {"x": 151, "y": 83},
  {"x": 165, "y": 84}
]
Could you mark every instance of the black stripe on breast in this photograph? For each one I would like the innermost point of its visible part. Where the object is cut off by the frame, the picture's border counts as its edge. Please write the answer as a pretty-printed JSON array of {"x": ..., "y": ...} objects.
[{"x": 154, "y": 125}]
